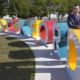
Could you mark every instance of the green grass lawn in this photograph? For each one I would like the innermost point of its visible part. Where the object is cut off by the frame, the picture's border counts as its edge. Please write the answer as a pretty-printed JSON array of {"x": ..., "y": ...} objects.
[{"x": 17, "y": 60}]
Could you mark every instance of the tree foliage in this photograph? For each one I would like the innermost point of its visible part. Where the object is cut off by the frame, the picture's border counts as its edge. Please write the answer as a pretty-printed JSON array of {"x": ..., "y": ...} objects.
[{"x": 30, "y": 8}]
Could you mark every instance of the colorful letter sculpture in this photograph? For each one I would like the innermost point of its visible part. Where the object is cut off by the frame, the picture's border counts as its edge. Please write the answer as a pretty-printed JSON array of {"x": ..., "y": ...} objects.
[
  {"x": 73, "y": 60},
  {"x": 13, "y": 25},
  {"x": 77, "y": 33},
  {"x": 72, "y": 56},
  {"x": 61, "y": 33},
  {"x": 3, "y": 25},
  {"x": 35, "y": 28},
  {"x": 25, "y": 27},
  {"x": 46, "y": 31},
  {"x": 50, "y": 32},
  {"x": 21, "y": 23}
]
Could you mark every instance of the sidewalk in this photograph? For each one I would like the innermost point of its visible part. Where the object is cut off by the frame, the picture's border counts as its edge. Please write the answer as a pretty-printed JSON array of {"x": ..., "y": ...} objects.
[{"x": 47, "y": 66}]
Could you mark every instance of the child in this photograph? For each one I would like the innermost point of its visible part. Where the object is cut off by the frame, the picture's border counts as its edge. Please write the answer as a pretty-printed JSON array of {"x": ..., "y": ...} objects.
[{"x": 74, "y": 18}]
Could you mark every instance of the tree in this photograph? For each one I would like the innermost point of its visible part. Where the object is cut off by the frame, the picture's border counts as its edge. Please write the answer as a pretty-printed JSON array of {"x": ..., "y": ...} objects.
[
  {"x": 38, "y": 8},
  {"x": 3, "y": 7},
  {"x": 20, "y": 8},
  {"x": 30, "y": 8}
]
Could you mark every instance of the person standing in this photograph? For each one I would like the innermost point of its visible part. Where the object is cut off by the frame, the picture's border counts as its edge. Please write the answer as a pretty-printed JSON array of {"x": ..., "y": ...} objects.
[{"x": 73, "y": 19}]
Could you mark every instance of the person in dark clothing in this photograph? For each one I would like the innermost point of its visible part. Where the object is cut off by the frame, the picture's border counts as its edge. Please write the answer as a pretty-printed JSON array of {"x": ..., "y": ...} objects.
[{"x": 74, "y": 18}]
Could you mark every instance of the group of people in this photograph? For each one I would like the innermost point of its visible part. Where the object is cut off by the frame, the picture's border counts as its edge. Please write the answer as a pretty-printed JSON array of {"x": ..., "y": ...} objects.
[{"x": 73, "y": 19}]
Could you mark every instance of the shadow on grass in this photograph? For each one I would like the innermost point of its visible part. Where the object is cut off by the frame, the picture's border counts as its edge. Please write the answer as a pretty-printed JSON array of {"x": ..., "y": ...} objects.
[
  {"x": 21, "y": 54},
  {"x": 10, "y": 38},
  {"x": 17, "y": 70},
  {"x": 22, "y": 44},
  {"x": 18, "y": 44}
]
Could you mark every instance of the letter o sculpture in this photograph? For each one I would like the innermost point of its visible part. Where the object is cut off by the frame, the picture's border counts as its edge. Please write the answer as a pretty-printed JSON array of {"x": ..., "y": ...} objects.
[{"x": 46, "y": 31}]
